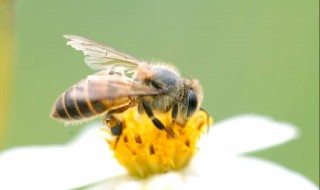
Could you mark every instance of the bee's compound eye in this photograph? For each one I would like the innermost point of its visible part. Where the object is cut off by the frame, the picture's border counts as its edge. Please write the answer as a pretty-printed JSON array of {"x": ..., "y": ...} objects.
[{"x": 192, "y": 102}]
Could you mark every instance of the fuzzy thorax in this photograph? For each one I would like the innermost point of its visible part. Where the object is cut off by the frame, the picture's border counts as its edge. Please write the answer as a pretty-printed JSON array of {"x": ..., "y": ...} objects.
[{"x": 143, "y": 149}]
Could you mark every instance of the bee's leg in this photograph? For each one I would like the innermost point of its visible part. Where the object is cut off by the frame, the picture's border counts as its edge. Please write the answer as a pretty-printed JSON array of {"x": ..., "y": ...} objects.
[
  {"x": 115, "y": 127},
  {"x": 122, "y": 109},
  {"x": 155, "y": 120},
  {"x": 174, "y": 114},
  {"x": 114, "y": 124}
]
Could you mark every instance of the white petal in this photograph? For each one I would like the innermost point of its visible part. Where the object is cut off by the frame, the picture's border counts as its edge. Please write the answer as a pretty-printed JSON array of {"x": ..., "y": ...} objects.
[
  {"x": 222, "y": 174},
  {"x": 245, "y": 173},
  {"x": 246, "y": 133},
  {"x": 85, "y": 160},
  {"x": 171, "y": 180}
]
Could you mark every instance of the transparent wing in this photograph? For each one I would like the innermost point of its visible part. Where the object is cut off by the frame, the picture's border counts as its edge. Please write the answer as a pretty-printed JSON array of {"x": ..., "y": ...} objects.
[
  {"x": 99, "y": 56},
  {"x": 112, "y": 87}
]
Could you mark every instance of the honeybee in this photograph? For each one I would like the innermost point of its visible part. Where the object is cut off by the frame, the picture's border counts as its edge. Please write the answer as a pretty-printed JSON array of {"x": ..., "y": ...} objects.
[{"x": 124, "y": 82}]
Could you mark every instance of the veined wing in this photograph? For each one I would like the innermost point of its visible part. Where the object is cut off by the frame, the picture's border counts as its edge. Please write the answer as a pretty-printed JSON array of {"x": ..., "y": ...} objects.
[
  {"x": 109, "y": 87},
  {"x": 99, "y": 56}
]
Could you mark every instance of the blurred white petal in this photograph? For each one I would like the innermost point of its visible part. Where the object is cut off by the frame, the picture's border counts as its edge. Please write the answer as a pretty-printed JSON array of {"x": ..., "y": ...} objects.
[
  {"x": 85, "y": 160},
  {"x": 217, "y": 166},
  {"x": 246, "y": 173},
  {"x": 242, "y": 134},
  {"x": 223, "y": 174}
]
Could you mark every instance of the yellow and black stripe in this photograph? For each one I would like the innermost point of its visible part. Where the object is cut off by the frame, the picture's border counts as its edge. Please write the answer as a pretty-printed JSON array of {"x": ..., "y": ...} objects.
[{"x": 81, "y": 101}]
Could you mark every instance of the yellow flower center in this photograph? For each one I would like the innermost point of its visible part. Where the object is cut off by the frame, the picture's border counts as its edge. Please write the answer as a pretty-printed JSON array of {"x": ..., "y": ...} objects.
[{"x": 143, "y": 149}]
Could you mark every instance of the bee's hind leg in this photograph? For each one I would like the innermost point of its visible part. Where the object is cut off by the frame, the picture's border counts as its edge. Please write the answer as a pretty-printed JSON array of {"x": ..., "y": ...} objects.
[
  {"x": 114, "y": 124},
  {"x": 115, "y": 127},
  {"x": 155, "y": 120}
]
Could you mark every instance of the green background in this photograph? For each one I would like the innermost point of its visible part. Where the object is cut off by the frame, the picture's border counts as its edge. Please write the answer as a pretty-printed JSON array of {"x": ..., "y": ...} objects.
[{"x": 250, "y": 56}]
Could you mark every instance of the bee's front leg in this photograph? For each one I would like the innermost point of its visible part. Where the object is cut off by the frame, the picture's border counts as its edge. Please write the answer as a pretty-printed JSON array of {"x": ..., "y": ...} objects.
[
  {"x": 174, "y": 114},
  {"x": 155, "y": 120}
]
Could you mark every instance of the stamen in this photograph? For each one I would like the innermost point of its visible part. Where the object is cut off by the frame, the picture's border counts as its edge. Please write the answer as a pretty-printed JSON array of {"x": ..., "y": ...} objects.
[
  {"x": 187, "y": 143},
  {"x": 143, "y": 149},
  {"x": 151, "y": 149},
  {"x": 138, "y": 139},
  {"x": 125, "y": 138}
]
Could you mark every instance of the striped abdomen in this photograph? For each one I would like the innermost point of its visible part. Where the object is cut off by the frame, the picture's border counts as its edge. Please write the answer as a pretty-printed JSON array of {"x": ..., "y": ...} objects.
[{"x": 87, "y": 99}]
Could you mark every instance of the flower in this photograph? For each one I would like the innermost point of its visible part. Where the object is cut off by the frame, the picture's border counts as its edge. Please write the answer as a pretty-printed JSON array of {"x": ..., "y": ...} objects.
[
  {"x": 220, "y": 163},
  {"x": 144, "y": 150}
]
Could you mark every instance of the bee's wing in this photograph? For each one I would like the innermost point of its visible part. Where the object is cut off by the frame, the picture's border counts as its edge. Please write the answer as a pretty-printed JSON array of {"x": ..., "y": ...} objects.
[
  {"x": 99, "y": 56},
  {"x": 110, "y": 87}
]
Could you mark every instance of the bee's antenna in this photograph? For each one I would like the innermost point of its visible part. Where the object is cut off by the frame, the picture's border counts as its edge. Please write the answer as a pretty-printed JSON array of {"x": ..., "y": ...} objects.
[{"x": 208, "y": 116}]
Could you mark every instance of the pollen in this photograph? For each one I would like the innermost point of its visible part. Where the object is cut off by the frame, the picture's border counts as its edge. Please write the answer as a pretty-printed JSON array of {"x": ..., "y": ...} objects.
[{"x": 144, "y": 150}]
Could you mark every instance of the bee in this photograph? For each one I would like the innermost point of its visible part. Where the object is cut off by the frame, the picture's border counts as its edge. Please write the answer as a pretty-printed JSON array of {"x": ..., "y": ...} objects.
[{"x": 125, "y": 82}]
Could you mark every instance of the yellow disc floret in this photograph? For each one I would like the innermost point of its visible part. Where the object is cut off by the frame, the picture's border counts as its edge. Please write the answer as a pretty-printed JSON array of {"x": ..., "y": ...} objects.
[{"x": 144, "y": 149}]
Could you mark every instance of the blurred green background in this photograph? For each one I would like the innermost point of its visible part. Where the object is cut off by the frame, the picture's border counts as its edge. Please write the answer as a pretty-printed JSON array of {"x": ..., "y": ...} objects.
[{"x": 250, "y": 56}]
